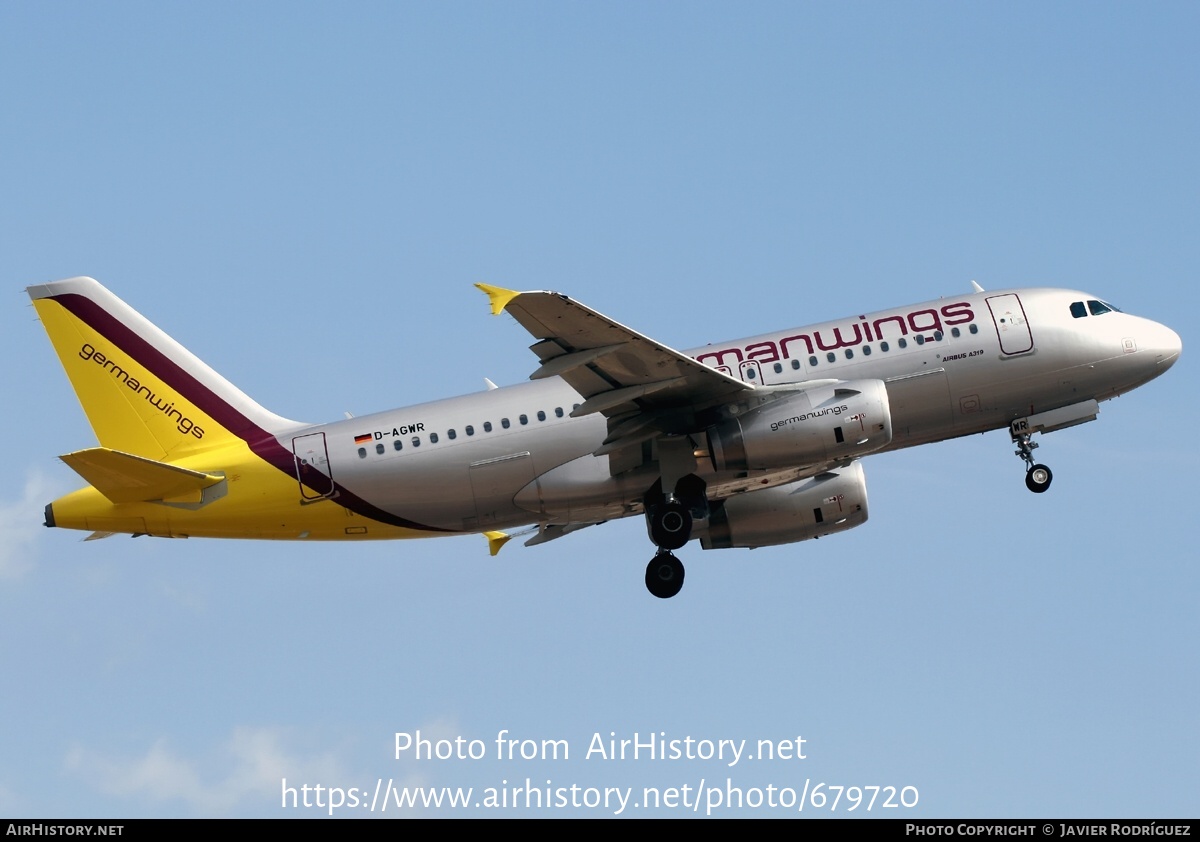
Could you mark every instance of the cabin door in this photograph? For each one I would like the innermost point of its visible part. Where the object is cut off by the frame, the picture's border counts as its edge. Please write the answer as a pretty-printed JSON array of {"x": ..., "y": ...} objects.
[
  {"x": 312, "y": 466},
  {"x": 1011, "y": 325},
  {"x": 750, "y": 372}
]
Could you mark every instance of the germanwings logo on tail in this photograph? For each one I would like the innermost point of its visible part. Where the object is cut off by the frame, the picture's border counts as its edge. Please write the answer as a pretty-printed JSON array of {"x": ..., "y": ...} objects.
[{"x": 184, "y": 424}]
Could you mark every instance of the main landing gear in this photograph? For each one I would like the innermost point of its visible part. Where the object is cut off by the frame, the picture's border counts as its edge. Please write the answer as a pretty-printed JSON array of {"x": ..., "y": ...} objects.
[
  {"x": 1037, "y": 477},
  {"x": 664, "y": 575},
  {"x": 669, "y": 521},
  {"x": 670, "y": 525}
]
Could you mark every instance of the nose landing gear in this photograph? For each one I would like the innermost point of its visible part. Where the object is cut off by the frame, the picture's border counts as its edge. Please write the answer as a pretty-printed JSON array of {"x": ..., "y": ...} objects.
[{"x": 1037, "y": 477}]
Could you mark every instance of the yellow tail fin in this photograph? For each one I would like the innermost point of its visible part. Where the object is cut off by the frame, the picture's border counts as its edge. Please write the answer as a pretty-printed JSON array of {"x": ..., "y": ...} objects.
[{"x": 142, "y": 391}]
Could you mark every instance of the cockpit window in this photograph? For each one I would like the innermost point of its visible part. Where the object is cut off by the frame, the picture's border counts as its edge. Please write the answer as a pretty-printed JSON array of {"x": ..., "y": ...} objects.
[
  {"x": 1099, "y": 307},
  {"x": 1078, "y": 310}
]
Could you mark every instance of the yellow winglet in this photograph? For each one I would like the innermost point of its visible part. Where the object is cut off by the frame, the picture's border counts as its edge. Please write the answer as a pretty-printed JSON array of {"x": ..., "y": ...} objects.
[
  {"x": 499, "y": 297},
  {"x": 496, "y": 540}
]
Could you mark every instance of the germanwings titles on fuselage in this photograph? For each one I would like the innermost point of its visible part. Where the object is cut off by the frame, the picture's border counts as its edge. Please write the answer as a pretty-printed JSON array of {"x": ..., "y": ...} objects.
[{"x": 750, "y": 443}]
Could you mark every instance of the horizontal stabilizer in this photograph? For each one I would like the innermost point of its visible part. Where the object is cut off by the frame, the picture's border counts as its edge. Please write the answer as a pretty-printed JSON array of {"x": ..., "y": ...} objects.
[{"x": 125, "y": 478}]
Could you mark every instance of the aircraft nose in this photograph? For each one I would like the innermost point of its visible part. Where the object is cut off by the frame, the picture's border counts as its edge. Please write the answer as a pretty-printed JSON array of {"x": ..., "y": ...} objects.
[{"x": 1167, "y": 344}]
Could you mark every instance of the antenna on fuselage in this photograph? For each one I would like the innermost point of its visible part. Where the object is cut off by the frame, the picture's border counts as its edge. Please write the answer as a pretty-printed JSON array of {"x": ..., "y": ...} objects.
[
  {"x": 978, "y": 288},
  {"x": 490, "y": 384}
]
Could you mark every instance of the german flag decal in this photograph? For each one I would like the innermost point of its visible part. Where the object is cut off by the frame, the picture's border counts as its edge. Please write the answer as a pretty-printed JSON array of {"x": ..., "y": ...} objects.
[{"x": 363, "y": 439}]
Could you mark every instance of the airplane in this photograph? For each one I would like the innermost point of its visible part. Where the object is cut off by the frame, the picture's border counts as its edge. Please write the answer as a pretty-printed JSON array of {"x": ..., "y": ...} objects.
[{"x": 749, "y": 443}]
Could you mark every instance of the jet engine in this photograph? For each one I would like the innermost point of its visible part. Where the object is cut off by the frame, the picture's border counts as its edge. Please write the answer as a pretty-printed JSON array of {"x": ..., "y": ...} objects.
[
  {"x": 835, "y": 421},
  {"x": 830, "y": 502}
]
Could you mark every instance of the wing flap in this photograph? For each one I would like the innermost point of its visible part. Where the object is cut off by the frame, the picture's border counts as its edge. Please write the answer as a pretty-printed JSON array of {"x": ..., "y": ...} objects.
[
  {"x": 125, "y": 478},
  {"x": 549, "y": 532}
]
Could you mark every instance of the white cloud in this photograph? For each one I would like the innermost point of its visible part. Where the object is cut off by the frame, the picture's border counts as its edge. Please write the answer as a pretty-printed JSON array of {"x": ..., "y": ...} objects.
[
  {"x": 245, "y": 776},
  {"x": 20, "y": 521},
  {"x": 255, "y": 761},
  {"x": 12, "y": 804}
]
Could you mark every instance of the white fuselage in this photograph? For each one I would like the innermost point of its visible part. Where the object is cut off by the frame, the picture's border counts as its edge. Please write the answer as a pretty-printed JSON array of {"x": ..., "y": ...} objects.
[{"x": 955, "y": 366}]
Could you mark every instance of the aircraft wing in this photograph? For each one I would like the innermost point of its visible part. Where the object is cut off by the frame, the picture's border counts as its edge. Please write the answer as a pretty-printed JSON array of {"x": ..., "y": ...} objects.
[{"x": 642, "y": 386}]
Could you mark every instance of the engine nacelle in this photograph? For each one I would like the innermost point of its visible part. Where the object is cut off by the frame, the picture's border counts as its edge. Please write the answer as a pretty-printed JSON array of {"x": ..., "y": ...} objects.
[
  {"x": 836, "y": 421},
  {"x": 822, "y": 505}
]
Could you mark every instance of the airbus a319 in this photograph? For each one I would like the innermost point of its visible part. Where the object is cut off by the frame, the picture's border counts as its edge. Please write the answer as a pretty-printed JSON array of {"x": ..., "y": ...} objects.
[{"x": 749, "y": 443}]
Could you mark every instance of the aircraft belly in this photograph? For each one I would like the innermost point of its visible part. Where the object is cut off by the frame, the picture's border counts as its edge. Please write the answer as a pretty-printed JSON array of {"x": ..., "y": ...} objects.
[
  {"x": 494, "y": 484},
  {"x": 989, "y": 396},
  {"x": 582, "y": 487},
  {"x": 920, "y": 403},
  {"x": 421, "y": 488}
]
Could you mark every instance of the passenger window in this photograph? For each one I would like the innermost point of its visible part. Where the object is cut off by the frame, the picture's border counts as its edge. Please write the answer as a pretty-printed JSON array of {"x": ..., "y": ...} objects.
[
  {"x": 812, "y": 362},
  {"x": 955, "y": 332},
  {"x": 974, "y": 328},
  {"x": 937, "y": 336},
  {"x": 1078, "y": 311},
  {"x": 796, "y": 363},
  {"x": 379, "y": 449},
  {"x": 362, "y": 453},
  {"x": 541, "y": 415},
  {"x": 920, "y": 339},
  {"x": 849, "y": 354},
  {"x": 524, "y": 419},
  {"x": 433, "y": 438},
  {"x": 416, "y": 441},
  {"x": 505, "y": 423},
  {"x": 487, "y": 426},
  {"x": 866, "y": 350},
  {"x": 397, "y": 444},
  {"x": 779, "y": 368},
  {"x": 450, "y": 434},
  {"x": 883, "y": 346},
  {"x": 902, "y": 342},
  {"x": 558, "y": 413},
  {"x": 751, "y": 373},
  {"x": 831, "y": 356}
]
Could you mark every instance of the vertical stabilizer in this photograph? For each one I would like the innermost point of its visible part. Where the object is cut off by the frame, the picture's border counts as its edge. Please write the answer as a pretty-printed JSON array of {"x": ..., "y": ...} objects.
[{"x": 142, "y": 391}]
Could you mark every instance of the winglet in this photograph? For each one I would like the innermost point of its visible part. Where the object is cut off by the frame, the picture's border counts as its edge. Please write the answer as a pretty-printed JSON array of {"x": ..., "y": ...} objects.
[
  {"x": 499, "y": 297},
  {"x": 496, "y": 540}
]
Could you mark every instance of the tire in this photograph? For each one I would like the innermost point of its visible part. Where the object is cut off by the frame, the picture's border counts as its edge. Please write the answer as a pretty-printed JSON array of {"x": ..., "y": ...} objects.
[
  {"x": 1037, "y": 478},
  {"x": 670, "y": 525},
  {"x": 664, "y": 575}
]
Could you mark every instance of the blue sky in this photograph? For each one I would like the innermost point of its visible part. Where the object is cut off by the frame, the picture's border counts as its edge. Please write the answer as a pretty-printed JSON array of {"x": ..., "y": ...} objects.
[{"x": 304, "y": 194}]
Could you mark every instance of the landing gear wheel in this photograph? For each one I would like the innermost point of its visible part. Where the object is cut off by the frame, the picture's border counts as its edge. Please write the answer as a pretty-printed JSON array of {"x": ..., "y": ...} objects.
[
  {"x": 670, "y": 525},
  {"x": 1037, "y": 479},
  {"x": 664, "y": 575}
]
